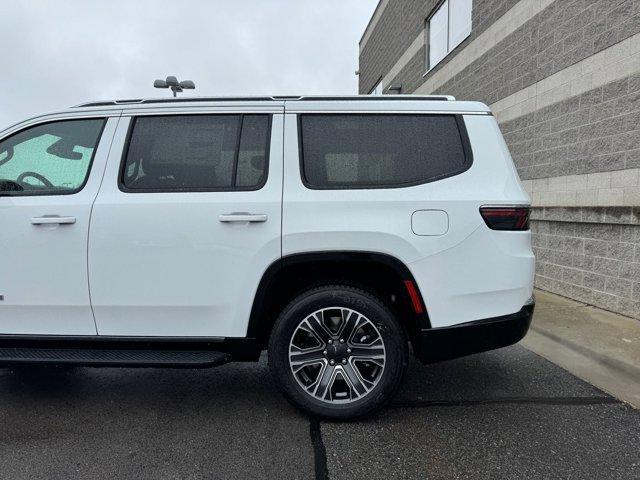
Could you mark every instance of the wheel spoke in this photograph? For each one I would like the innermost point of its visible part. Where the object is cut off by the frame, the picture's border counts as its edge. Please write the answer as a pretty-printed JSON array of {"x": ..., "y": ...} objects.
[
  {"x": 353, "y": 321},
  {"x": 367, "y": 352},
  {"x": 316, "y": 326},
  {"x": 302, "y": 357},
  {"x": 354, "y": 380},
  {"x": 325, "y": 382}
]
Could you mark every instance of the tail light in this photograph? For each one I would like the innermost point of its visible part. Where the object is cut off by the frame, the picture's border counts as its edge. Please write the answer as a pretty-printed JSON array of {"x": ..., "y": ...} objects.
[{"x": 506, "y": 218}]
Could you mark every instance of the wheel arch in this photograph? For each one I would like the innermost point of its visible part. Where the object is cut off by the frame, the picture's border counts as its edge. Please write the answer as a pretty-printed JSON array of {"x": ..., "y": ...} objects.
[{"x": 381, "y": 274}]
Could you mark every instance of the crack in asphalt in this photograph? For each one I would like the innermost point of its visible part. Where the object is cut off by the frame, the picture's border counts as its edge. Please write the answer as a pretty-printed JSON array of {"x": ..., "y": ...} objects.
[
  {"x": 509, "y": 401},
  {"x": 319, "y": 450}
]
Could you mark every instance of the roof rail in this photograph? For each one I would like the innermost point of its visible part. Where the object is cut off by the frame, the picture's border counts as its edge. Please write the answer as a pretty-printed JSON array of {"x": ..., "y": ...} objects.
[
  {"x": 379, "y": 97},
  {"x": 171, "y": 100},
  {"x": 319, "y": 98}
]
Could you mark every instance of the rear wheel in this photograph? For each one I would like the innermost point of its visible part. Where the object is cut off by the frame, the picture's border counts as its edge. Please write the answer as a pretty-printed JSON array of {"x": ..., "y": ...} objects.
[{"x": 338, "y": 352}]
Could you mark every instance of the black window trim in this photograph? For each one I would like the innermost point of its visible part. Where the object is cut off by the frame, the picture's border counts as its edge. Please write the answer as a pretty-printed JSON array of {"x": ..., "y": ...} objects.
[
  {"x": 265, "y": 175},
  {"x": 462, "y": 130},
  {"x": 89, "y": 167}
]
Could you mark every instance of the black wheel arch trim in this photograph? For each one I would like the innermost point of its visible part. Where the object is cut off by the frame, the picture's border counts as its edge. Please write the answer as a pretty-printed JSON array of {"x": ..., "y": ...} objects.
[{"x": 270, "y": 275}]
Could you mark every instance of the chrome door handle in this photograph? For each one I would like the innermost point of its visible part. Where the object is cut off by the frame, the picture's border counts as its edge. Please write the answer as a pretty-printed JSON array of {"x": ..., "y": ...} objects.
[
  {"x": 242, "y": 217},
  {"x": 52, "y": 220}
]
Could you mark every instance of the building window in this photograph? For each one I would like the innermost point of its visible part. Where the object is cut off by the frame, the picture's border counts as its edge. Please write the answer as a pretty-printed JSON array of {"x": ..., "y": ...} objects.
[
  {"x": 446, "y": 28},
  {"x": 377, "y": 90}
]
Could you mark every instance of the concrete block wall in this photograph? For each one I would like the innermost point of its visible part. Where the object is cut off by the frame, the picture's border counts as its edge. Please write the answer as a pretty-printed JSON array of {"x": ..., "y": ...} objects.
[
  {"x": 596, "y": 131},
  {"x": 563, "y": 80},
  {"x": 617, "y": 188},
  {"x": 401, "y": 23},
  {"x": 590, "y": 254},
  {"x": 559, "y": 36}
]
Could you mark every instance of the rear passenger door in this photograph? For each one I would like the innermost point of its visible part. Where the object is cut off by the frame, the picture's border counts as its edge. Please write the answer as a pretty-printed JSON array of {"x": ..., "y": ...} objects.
[{"x": 187, "y": 220}]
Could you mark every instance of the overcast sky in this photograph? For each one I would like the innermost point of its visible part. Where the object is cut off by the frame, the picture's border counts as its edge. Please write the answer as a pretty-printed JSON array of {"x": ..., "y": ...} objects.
[{"x": 60, "y": 53}]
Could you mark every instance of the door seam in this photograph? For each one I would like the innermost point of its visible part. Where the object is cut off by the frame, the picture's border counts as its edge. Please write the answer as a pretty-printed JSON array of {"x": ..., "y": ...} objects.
[
  {"x": 284, "y": 123},
  {"x": 104, "y": 172}
]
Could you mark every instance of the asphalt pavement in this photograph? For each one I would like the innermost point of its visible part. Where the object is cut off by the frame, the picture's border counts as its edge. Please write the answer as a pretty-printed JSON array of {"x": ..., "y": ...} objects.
[{"x": 502, "y": 414}]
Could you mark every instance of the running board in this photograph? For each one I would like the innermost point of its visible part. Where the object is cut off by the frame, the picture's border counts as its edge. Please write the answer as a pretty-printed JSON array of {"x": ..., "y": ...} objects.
[{"x": 112, "y": 357}]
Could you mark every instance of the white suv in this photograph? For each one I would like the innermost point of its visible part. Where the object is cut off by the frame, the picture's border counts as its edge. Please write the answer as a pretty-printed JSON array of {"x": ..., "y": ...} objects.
[{"x": 336, "y": 232}]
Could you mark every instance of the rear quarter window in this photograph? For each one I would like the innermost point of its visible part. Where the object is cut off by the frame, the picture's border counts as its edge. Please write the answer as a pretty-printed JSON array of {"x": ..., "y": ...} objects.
[{"x": 340, "y": 151}]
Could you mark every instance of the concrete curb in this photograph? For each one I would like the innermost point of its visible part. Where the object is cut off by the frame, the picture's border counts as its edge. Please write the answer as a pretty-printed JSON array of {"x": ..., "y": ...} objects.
[{"x": 586, "y": 342}]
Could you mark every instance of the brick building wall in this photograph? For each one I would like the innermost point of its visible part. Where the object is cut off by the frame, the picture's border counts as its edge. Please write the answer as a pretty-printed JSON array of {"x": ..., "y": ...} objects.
[{"x": 563, "y": 80}]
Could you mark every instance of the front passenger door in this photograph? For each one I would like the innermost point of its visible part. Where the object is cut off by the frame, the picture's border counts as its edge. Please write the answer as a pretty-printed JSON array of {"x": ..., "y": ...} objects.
[{"x": 49, "y": 177}]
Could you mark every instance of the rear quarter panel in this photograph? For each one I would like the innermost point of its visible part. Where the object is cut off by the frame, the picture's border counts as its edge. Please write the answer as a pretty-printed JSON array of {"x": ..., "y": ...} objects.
[{"x": 468, "y": 273}]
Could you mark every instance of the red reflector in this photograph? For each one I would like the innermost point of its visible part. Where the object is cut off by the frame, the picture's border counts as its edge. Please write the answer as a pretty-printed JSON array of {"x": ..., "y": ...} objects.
[
  {"x": 413, "y": 295},
  {"x": 506, "y": 218}
]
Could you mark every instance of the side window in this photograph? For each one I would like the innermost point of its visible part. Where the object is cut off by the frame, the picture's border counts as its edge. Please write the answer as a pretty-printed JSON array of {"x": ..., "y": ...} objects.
[
  {"x": 49, "y": 159},
  {"x": 380, "y": 150},
  {"x": 196, "y": 153},
  {"x": 252, "y": 157}
]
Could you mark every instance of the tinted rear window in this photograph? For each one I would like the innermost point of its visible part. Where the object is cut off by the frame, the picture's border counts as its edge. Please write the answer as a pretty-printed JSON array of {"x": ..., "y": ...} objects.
[{"x": 379, "y": 150}]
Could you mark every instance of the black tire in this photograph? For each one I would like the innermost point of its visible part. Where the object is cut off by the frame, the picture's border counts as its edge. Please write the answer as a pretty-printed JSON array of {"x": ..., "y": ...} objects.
[{"x": 391, "y": 332}]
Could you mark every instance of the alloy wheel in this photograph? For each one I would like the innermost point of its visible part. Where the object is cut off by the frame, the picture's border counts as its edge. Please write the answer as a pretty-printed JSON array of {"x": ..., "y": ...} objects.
[{"x": 337, "y": 355}]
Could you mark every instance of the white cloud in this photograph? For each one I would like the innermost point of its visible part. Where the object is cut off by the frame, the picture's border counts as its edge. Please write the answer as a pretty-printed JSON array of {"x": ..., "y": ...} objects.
[{"x": 59, "y": 53}]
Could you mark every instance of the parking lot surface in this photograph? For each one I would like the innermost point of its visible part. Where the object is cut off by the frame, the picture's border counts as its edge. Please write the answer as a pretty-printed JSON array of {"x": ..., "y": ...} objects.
[{"x": 502, "y": 414}]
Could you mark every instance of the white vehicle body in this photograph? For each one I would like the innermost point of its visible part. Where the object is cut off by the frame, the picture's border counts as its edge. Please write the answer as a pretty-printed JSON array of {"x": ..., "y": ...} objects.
[
  {"x": 464, "y": 270},
  {"x": 170, "y": 264}
]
